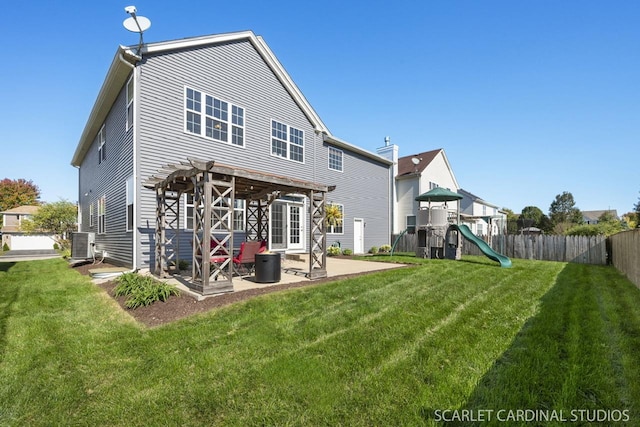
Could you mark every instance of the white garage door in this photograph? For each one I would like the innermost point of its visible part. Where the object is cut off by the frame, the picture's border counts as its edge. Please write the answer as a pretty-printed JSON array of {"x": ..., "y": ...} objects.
[{"x": 31, "y": 242}]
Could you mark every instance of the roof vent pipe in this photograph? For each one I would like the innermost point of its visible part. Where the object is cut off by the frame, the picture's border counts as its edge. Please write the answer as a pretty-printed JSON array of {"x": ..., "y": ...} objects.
[{"x": 387, "y": 140}]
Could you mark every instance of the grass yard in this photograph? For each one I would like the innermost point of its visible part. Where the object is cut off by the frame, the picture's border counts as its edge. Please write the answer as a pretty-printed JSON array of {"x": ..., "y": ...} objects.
[{"x": 413, "y": 346}]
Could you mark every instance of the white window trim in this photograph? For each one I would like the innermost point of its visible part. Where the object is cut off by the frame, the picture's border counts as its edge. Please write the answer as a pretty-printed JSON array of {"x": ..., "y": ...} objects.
[
  {"x": 102, "y": 219},
  {"x": 330, "y": 148},
  {"x": 204, "y": 116},
  {"x": 129, "y": 201},
  {"x": 102, "y": 142},
  {"x": 91, "y": 213},
  {"x": 129, "y": 124},
  {"x": 330, "y": 227},
  {"x": 288, "y": 157}
]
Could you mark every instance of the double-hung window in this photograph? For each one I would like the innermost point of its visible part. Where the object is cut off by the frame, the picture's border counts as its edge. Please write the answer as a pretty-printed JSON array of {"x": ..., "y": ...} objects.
[
  {"x": 102, "y": 145},
  {"x": 238, "y": 214},
  {"x": 102, "y": 215},
  {"x": 218, "y": 120},
  {"x": 336, "y": 228},
  {"x": 287, "y": 142},
  {"x": 335, "y": 159},
  {"x": 91, "y": 214}
]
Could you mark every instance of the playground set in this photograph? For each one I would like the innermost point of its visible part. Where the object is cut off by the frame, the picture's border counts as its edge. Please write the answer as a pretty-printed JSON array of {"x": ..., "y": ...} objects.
[{"x": 440, "y": 234}]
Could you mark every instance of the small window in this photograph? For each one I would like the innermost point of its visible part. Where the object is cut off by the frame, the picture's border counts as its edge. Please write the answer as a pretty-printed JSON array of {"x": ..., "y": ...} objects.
[
  {"x": 102, "y": 145},
  {"x": 130, "y": 95},
  {"x": 130, "y": 203},
  {"x": 433, "y": 185},
  {"x": 188, "y": 211},
  {"x": 102, "y": 215},
  {"x": 411, "y": 224},
  {"x": 338, "y": 227},
  {"x": 335, "y": 159},
  {"x": 287, "y": 142},
  {"x": 91, "y": 214}
]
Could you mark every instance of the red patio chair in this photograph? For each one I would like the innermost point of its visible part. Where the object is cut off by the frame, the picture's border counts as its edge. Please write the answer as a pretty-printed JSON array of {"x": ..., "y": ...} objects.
[{"x": 245, "y": 260}]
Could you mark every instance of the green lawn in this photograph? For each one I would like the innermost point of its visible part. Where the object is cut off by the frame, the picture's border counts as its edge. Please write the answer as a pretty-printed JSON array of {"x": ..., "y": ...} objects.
[{"x": 400, "y": 347}]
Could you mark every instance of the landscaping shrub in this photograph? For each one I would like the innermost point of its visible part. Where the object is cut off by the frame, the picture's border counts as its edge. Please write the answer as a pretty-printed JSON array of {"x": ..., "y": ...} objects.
[
  {"x": 142, "y": 290},
  {"x": 333, "y": 251},
  {"x": 5, "y": 247},
  {"x": 347, "y": 252},
  {"x": 385, "y": 248},
  {"x": 373, "y": 250}
]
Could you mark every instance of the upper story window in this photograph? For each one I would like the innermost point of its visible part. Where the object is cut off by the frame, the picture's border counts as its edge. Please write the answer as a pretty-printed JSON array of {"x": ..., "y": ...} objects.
[
  {"x": 130, "y": 95},
  {"x": 287, "y": 142},
  {"x": 335, "y": 159},
  {"x": 102, "y": 145},
  {"x": 433, "y": 185},
  {"x": 218, "y": 120}
]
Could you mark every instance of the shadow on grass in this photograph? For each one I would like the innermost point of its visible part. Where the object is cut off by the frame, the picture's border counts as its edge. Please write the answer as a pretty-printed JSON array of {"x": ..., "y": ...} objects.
[
  {"x": 5, "y": 266},
  {"x": 565, "y": 365}
]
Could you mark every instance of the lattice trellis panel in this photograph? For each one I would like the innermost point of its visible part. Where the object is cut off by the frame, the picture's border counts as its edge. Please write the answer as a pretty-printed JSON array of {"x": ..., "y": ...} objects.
[{"x": 317, "y": 236}]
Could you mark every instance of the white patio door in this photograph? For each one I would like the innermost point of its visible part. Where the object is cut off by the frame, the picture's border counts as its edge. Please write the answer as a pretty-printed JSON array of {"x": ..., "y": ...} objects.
[
  {"x": 287, "y": 224},
  {"x": 358, "y": 236}
]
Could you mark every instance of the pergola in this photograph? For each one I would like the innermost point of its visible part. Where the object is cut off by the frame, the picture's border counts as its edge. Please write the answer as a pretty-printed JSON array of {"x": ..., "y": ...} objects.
[{"x": 215, "y": 187}]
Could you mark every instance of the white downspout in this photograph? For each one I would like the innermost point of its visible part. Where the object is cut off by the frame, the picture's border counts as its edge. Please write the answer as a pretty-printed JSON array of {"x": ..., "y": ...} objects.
[{"x": 136, "y": 206}]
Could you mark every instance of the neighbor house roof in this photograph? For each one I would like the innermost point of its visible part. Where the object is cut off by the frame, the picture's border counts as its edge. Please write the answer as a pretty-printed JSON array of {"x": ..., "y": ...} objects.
[
  {"x": 476, "y": 199},
  {"x": 125, "y": 60},
  {"x": 22, "y": 210},
  {"x": 407, "y": 167},
  {"x": 595, "y": 215}
]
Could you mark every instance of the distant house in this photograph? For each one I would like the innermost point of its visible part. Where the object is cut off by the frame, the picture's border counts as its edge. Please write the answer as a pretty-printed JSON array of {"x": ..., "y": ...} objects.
[
  {"x": 220, "y": 107},
  {"x": 15, "y": 238},
  {"x": 482, "y": 217},
  {"x": 592, "y": 217},
  {"x": 414, "y": 175}
]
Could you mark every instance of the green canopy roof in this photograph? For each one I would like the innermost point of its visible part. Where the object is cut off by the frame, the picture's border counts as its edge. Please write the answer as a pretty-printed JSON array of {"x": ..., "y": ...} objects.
[{"x": 438, "y": 194}]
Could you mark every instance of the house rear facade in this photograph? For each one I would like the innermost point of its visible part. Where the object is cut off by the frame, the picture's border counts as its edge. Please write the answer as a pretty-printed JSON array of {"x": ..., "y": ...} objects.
[{"x": 223, "y": 98}]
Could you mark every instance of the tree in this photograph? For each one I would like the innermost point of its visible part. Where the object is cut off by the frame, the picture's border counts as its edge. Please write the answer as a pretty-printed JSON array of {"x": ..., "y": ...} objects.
[
  {"x": 533, "y": 214},
  {"x": 636, "y": 208},
  {"x": 18, "y": 192},
  {"x": 58, "y": 218},
  {"x": 563, "y": 213}
]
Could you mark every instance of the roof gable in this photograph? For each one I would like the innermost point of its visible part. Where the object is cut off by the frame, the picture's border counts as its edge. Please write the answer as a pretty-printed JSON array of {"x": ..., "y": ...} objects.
[
  {"x": 125, "y": 60},
  {"x": 407, "y": 167}
]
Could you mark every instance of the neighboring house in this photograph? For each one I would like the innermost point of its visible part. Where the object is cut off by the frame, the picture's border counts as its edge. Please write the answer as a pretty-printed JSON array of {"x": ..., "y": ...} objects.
[
  {"x": 482, "y": 217},
  {"x": 15, "y": 238},
  {"x": 415, "y": 175},
  {"x": 222, "y": 98},
  {"x": 592, "y": 217}
]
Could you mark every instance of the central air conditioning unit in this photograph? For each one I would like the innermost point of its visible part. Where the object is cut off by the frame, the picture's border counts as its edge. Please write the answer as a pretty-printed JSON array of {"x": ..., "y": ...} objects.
[{"x": 82, "y": 245}]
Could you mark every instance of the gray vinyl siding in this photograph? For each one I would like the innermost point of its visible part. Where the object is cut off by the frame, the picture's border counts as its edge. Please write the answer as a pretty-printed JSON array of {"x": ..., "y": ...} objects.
[
  {"x": 108, "y": 178},
  {"x": 235, "y": 72}
]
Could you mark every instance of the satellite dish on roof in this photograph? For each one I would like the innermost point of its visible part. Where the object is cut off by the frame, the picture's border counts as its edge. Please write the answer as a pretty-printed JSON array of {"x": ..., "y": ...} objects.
[{"x": 136, "y": 24}]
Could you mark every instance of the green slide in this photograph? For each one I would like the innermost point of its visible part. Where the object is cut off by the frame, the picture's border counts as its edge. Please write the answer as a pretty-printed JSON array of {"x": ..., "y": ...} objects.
[{"x": 482, "y": 245}]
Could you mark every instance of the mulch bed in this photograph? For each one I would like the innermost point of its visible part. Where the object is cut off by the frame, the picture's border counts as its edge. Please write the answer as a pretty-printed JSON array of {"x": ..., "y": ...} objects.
[{"x": 183, "y": 306}]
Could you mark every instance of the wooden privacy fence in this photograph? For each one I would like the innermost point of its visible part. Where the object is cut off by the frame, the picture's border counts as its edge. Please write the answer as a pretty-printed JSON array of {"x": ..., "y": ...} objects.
[
  {"x": 578, "y": 249},
  {"x": 625, "y": 254}
]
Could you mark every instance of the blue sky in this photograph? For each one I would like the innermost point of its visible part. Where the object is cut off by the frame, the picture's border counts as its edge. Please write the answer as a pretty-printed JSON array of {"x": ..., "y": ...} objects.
[{"x": 528, "y": 98}]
